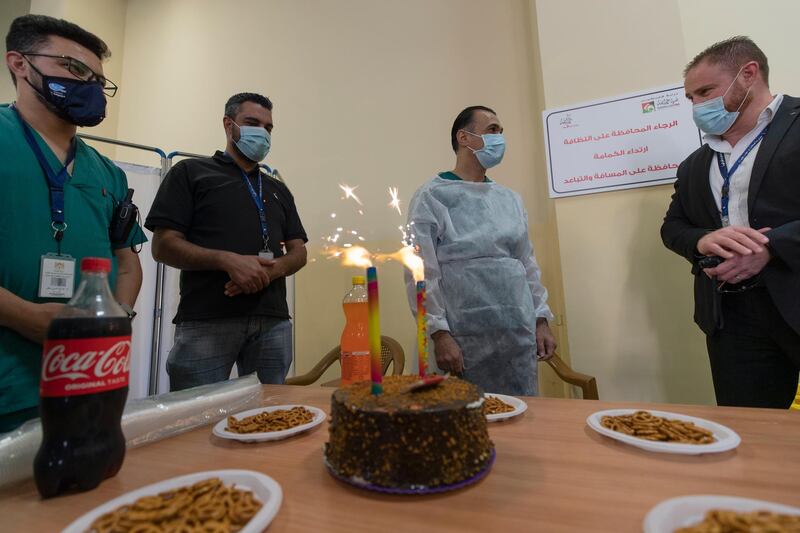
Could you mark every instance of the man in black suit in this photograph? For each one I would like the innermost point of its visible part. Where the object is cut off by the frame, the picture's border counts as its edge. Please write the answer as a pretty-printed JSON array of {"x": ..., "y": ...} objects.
[{"x": 737, "y": 198}]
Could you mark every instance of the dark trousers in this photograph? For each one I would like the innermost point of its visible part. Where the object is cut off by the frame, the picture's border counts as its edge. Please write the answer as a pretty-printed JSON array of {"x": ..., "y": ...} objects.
[{"x": 755, "y": 357}]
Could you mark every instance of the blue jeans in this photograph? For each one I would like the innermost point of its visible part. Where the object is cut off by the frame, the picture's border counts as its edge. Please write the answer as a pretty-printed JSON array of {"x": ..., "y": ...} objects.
[{"x": 205, "y": 350}]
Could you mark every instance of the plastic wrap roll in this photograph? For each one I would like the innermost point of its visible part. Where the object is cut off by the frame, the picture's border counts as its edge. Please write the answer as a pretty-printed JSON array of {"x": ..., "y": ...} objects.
[
  {"x": 143, "y": 421},
  {"x": 17, "y": 450}
]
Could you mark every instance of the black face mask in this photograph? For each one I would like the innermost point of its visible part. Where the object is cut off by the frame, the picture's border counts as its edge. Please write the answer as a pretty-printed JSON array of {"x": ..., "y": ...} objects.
[{"x": 79, "y": 102}]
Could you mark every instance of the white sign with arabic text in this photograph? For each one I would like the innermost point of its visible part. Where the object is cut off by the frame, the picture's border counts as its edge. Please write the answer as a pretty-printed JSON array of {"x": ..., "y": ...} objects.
[{"x": 635, "y": 140}]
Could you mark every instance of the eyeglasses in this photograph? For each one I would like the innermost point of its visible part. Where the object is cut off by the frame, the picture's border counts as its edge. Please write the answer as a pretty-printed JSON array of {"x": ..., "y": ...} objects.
[{"x": 80, "y": 71}]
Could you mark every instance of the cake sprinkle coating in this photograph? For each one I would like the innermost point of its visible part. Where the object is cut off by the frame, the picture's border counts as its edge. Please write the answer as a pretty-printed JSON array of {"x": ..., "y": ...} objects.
[{"x": 427, "y": 438}]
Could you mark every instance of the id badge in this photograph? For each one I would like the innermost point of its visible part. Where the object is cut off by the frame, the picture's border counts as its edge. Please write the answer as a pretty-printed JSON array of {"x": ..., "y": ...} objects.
[
  {"x": 266, "y": 254},
  {"x": 56, "y": 276}
]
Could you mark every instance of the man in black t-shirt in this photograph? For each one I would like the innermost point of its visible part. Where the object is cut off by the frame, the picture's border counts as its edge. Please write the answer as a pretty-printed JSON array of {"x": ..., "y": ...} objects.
[{"x": 234, "y": 232}]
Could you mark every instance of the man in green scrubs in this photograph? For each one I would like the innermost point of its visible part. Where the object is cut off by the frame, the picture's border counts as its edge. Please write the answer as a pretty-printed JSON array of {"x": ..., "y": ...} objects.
[{"x": 57, "y": 70}]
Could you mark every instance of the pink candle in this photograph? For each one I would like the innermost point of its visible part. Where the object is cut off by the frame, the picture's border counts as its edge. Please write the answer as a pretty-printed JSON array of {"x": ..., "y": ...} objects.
[{"x": 374, "y": 331}]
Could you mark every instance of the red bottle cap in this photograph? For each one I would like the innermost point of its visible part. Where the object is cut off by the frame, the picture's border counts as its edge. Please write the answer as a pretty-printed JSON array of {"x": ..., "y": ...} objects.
[{"x": 95, "y": 264}]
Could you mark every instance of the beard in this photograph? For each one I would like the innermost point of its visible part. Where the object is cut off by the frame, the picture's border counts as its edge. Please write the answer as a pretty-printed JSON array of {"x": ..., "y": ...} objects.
[
  {"x": 742, "y": 97},
  {"x": 39, "y": 92}
]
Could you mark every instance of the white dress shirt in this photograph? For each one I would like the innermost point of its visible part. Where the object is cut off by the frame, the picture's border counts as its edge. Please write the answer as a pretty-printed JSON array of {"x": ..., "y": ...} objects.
[{"x": 740, "y": 180}]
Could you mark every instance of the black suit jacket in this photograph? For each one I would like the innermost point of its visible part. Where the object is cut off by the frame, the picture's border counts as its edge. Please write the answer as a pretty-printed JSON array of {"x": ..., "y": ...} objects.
[{"x": 773, "y": 201}]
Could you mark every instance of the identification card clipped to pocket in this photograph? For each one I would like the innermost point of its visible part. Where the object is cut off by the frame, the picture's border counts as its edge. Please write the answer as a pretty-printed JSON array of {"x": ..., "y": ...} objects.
[{"x": 56, "y": 276}]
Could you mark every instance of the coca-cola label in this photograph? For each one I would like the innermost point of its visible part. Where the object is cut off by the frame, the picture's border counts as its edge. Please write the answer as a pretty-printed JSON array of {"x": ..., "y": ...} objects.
[{"x": 71, "y": 367}]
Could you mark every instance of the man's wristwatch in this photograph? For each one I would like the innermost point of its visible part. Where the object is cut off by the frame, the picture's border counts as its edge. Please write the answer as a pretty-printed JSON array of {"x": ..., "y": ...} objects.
[{"x": 128, "y": 309}]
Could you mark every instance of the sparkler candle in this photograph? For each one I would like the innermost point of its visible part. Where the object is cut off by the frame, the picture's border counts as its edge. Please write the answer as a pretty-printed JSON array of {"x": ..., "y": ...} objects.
[
  {"x": 374, "y": 331},
  {"x": 422, "y": 336},
  {"x": 413, "y": 262}
]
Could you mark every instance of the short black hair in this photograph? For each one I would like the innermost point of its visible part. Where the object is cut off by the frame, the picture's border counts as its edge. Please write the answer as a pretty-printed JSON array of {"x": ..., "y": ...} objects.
[
  {"x": 29, "y": 33},
  {"x": 233, "y": 103},
  {"x": 732, "y": 54},
  {"x": 464, "y": 120}
]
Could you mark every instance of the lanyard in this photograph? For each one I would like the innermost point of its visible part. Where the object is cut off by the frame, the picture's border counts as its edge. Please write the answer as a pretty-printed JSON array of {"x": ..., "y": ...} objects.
[
  {"x": 55, "y": 182},
  {"x": 258, "y": 199},
  {"x": 726, "y": 175}
]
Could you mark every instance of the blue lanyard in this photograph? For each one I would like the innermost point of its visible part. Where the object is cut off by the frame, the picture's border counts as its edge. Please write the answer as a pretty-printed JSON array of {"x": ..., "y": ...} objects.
[
  {"x": 258, "y": 199},
  {"x": 726, "y": 175},
  {"x": 55, "y": 182}
]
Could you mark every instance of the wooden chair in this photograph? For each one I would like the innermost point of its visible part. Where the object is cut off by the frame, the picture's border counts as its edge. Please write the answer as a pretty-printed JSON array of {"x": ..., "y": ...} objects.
[
  {"x": 391, "y": 353},
  {"x": 587, "y": 383}
]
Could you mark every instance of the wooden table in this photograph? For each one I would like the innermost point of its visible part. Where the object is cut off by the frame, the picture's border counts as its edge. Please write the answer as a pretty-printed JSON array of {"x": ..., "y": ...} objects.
[{"x": 552, "y": 474}]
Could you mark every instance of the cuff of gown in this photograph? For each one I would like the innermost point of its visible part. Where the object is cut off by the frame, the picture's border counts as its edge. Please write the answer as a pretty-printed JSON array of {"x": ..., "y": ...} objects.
[
  {"x": 437, "y": 324},
  {"x": 545, "y": 313}
]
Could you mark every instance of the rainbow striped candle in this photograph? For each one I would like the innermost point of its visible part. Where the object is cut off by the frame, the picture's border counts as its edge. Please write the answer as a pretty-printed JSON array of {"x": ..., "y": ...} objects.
[
  {"x": 422, "y": 336},
  {"x": 374, "y": 331}
]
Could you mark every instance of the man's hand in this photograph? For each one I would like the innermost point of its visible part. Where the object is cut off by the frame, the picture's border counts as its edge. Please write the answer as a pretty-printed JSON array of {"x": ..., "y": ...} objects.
[
  {"x": 282, "y": 267},
  {"x": 271, "y": 266},
  {"x": 731, "y": 240},
  {"x": 740, "y": 267},
  {"x": 39, "y": 316},
  {"x": 545, "y": 340},
  {"x": 247, "y": 272},
  {"x": 448, "y": 354}
]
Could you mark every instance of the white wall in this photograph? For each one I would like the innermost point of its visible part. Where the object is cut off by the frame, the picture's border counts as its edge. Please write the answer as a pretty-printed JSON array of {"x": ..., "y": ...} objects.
[
  {"x": 9, "y": 10},
  {"x": 771, "y": 24},
  {"x": 628, "y": 298},
  {"x": 365, "y": 93},
  {"x": 629, "y": 301}
]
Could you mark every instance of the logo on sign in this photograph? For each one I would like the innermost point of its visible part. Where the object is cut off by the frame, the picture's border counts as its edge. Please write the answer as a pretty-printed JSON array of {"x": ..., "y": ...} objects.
[
  {"x": 567, "y": 122},
  {"x": 663, "y": 101},
  {"x": 668, "y": 100}
]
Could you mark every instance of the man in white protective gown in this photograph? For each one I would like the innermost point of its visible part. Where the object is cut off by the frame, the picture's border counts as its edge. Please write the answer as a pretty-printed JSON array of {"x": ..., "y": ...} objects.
[{"x": 486, "y": 307}]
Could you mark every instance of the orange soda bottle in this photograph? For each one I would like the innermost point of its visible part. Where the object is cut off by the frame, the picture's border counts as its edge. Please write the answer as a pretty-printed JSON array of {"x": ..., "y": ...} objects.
[{"x": 355, "y": 336}]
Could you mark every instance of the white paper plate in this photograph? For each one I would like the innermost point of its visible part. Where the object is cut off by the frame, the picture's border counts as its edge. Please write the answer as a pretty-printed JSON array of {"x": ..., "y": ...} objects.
[
  {"x": 727, "y": 439},
  {"x": 518, "y": 405},
  {"x": 264, "y": 488},
  {"x": 220, "y": 431},
  {"x": 675, "y": 513}
]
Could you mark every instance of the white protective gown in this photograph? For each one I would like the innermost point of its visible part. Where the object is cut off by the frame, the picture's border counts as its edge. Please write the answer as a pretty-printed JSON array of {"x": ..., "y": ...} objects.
[{"x": 483, "y": 282}]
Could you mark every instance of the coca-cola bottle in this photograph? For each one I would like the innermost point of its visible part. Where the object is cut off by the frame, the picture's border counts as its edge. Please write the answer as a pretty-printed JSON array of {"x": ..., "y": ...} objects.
[{"x": 83, "y": 387}]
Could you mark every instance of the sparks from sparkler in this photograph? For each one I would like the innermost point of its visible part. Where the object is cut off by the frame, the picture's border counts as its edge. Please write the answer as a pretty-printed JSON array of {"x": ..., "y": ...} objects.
[
  {"x": 350, "y": 254},
  {"x": 349, "y": 193},
  {"x": 395, "y": 203}
]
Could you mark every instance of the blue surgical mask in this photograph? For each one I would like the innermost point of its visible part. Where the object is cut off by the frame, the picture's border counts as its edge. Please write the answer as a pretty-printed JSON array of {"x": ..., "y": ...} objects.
[
  {"x": 254, "y": 142},
  {"x": 494, "y": 146},
  {"x": 712, "y": 117}
]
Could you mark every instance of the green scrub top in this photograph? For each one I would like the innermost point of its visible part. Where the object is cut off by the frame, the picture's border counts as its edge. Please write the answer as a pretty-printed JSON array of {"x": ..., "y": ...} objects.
[{"x": 90, "y": 196}]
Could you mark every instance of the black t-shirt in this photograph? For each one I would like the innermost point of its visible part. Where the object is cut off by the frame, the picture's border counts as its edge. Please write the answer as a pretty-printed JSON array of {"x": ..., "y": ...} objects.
[{"x": 207, "y": 200}]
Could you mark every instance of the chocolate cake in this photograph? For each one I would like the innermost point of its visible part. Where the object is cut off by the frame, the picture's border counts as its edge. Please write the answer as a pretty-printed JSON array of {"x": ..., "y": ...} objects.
[{"x": 423, "y": 439}]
